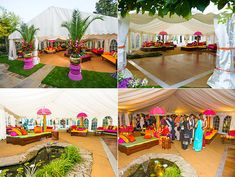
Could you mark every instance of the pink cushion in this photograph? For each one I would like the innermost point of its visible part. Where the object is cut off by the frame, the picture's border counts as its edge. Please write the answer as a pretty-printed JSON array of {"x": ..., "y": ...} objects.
[
  {"x": 231, "y": 132},
  {"x": 120, "y": 141},
  {"x": 13, "y": 134}
]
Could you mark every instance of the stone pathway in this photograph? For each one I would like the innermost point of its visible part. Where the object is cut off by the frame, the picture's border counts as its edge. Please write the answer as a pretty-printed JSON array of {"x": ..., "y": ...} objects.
[
  {"x": 7, "y": 78},
  {"x": 34, "y": 80}
]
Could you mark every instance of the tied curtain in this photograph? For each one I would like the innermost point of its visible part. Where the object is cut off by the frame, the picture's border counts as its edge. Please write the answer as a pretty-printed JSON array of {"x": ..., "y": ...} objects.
[{"x": 224, "y": 73}]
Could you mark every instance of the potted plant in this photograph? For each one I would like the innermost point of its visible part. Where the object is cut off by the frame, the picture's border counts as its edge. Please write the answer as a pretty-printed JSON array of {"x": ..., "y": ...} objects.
[
  {"x": 77, "y": 28},
  {"x": 27, "y": 33}
]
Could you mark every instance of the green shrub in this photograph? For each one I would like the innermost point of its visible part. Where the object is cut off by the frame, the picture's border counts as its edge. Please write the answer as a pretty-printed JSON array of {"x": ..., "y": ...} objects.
[
  {"x": 72, "y": 154},
  {"x": 172, "y": 172},
  {"x": 60, "y": 167},
  {"x": 57, "y": 168},
  {"x": 136, "y": 56}
]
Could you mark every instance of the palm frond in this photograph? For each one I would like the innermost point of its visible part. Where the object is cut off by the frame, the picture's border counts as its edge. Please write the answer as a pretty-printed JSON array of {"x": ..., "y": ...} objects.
[{"x": 77, "y": 26}]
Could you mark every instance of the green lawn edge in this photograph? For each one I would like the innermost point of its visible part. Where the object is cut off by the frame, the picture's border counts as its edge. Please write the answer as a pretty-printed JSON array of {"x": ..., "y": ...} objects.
[
  {"x": 58, "y": 77},
  {"x": 16, "y": 66}
]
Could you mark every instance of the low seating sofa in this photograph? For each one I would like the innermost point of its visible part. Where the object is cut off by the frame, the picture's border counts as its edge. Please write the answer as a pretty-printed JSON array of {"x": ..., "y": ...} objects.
[
  {"x": 139, "y": 144},
  {"x": 27, "y": 139},
  {"x": 78, "y": 131}
]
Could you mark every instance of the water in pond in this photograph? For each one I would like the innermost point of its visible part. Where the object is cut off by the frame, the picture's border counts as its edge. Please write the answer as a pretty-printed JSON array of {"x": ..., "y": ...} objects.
[
  {"x": 156, "y": 168},
  {"x": 43, "y": 157}
]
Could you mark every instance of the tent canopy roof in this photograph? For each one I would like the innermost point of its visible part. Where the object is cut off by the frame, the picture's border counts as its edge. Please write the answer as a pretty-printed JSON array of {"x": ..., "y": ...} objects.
[
  {"x": 63, "y": 103},
  {"x": 175, "y": 25},
  {"x": 49, "y": 24},
  {"x": 177, "y": 101}
]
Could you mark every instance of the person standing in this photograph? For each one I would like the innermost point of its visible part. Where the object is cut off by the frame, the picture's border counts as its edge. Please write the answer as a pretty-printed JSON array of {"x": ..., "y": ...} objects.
[
  {"x": 171, "y": 126},
  {"x": 191, "y": 127},
  {"x": 185, "y": 135},
  {"x": 198, "y": 138},
  {"x": 142, "y": 122},
  {"x": 204, "y": 131}
]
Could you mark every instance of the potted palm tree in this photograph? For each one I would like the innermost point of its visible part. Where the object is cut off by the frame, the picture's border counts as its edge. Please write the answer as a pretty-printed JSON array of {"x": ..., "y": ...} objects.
[
  {"x": 77, "y": 27},
  {"x": 27, "y": 33}
]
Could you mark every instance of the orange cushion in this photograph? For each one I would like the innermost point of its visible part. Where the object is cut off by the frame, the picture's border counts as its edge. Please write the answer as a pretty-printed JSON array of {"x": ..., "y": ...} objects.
[
  {"x": 147, "y": 136},
  {"x": 37, "y": 129},
  {"x": 131, "y": 138},
  {"x": 24, "y": 132}
]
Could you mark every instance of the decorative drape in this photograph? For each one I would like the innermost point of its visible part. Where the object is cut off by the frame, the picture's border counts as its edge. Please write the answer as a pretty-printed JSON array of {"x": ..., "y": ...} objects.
[
  {"x": 2, "y": 124},
  {"x": 123, "y": 27},
  {"x": 36, "y": 59},
  {"x": 224, "y": 73}
]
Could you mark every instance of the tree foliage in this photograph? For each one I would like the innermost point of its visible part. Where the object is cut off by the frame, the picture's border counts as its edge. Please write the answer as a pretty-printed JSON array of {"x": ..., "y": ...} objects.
[
  {"x": 8, "y": 22},
  {"x": 107, "y": 7},
  {"x": 164, "y": 7}
]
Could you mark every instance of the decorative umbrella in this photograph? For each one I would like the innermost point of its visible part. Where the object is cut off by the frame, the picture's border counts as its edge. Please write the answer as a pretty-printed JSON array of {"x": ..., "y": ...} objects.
[
  {"x": 198, "y": 34},
  {"x": 163, "y": 33},
  {"x": 156, "y": 111},
  {"x": 44, "y": 111},
  {"x": 81, "y": 115},
  {"x": 209, "y": 113}
]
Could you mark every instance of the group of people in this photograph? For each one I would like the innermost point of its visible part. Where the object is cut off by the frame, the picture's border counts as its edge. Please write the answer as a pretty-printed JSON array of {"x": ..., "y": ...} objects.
[{"x": 189, "y": 129}]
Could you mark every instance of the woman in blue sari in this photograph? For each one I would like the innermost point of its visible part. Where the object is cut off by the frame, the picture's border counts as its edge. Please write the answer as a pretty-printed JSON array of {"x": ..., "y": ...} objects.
[{"x": 198, "y": 137}]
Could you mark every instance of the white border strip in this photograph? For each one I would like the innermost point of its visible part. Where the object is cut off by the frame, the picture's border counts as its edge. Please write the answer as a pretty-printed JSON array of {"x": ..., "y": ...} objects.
[
  {"x": 112, "y": 159},
  {"x": 149, "y": 75},
  {"x": 220, "y": 169},
  {"x": 187, "y": 81},
  {"x": 165, "y": 85}
]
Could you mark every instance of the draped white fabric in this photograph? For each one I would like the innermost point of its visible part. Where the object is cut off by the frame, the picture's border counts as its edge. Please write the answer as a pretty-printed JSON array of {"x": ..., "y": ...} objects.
[
  {"x": 12, "y": 50},
  {"x": 2, "y": 124},
  {"x": 49, "y": 22},
  {"x": 36, "y": 59},
  {"x": 224, "y": 73},
  {"x": 177, "y": 101},
  {"x": 123, "y": 27},
  {"x": 63, "y": 103}
]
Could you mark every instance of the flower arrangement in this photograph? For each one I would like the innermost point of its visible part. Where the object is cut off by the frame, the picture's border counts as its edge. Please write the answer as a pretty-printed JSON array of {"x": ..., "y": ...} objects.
[
  {"x": 27, "y": 49},
  {"x": 131, "y": 82},
  {"x": 77, "y": 28}
]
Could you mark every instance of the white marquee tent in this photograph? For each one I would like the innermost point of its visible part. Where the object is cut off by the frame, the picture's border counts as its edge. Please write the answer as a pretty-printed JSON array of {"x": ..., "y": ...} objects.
[
  {"x": 178, "y": 101},
  {"x": 206, "y": 22},
  {"x": 63, "y": 103},
  {"x": 49, "y": 22}
]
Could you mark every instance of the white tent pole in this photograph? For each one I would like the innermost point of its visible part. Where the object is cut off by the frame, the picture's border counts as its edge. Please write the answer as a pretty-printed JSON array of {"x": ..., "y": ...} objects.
[
  {"x": 3, "y": 124},
  {"x": 12, "y": 50}
]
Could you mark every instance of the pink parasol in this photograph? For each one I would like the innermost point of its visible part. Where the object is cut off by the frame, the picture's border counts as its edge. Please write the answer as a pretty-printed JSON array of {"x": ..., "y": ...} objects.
[
  {"x": 198, "y": 33},
  {"x": 209, "y": 112},
  {"x": 44, "y": 111},
  {"x": 162, "y": 33},
  {"x": 81, "y": 114},
  {"x": 157, "y": 111}
]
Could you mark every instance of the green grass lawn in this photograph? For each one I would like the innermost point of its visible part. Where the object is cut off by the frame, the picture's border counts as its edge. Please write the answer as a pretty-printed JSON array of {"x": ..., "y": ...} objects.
[
  {"x": 58, "y": 77},
  {"x": 16, "y": 66}
]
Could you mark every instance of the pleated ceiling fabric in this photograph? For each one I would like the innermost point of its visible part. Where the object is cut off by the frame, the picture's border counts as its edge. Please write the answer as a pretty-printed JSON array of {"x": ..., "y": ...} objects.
[
  {"x": 49, "y": 22},
  {"x": 63, "y": 103},
  {"x": 177, "y": 101}
]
